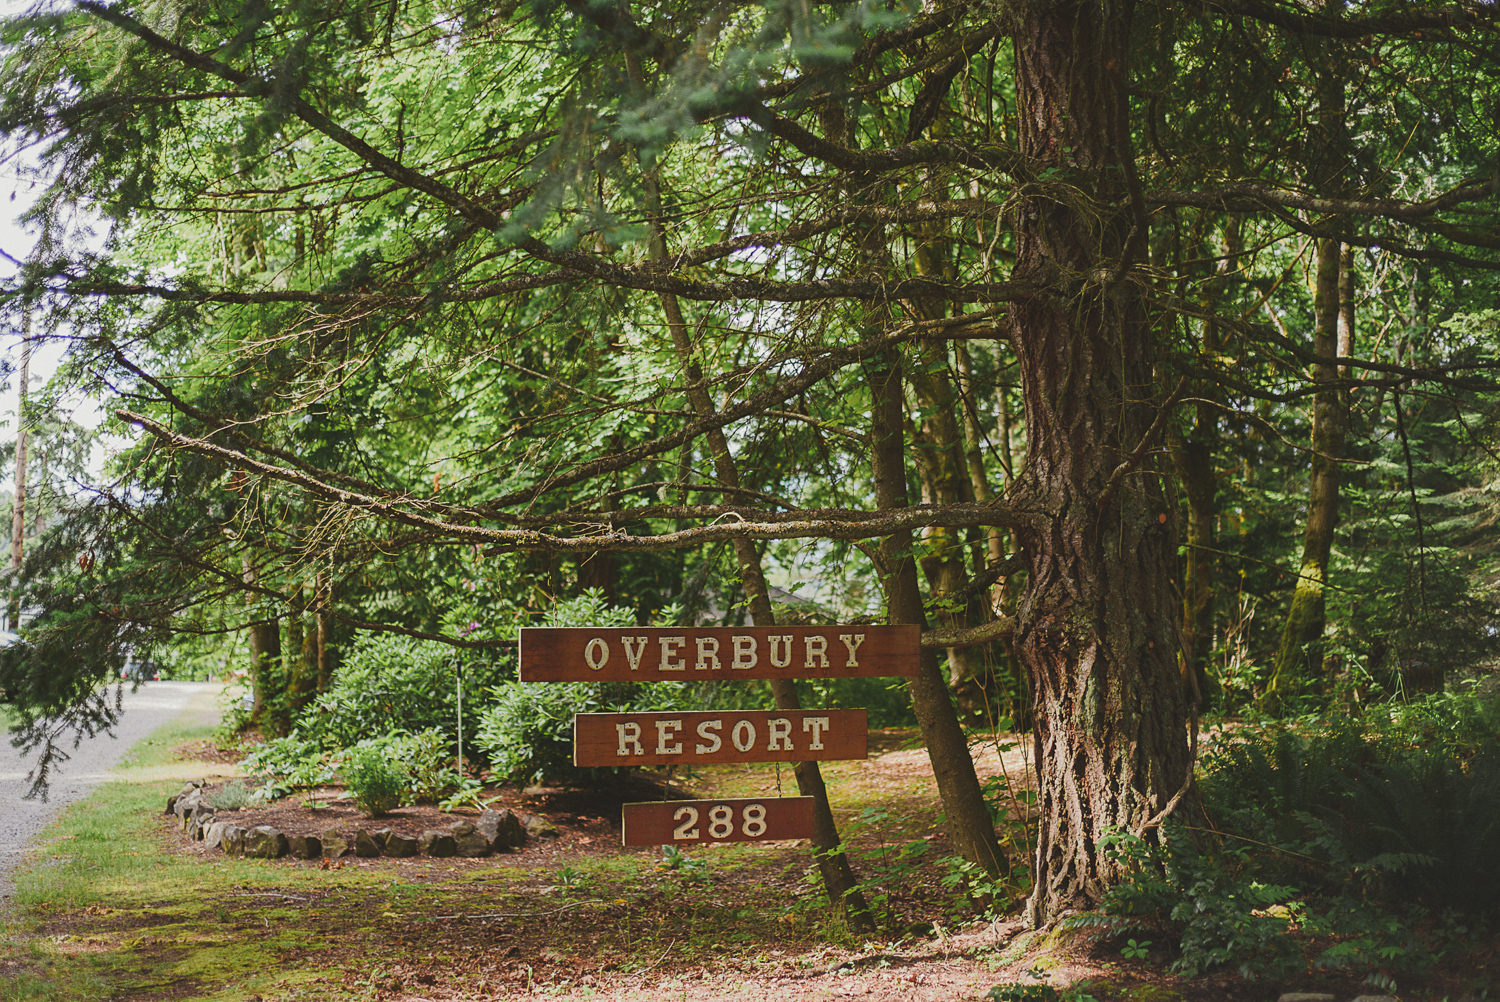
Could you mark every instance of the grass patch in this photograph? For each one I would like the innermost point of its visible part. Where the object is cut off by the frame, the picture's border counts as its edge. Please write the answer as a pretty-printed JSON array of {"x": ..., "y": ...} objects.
[{"x": 110, "y": 907}]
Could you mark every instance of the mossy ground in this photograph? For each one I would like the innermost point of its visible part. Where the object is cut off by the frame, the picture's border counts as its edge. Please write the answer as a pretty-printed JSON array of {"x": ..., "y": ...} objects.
[{"x": 116, "y": 905}]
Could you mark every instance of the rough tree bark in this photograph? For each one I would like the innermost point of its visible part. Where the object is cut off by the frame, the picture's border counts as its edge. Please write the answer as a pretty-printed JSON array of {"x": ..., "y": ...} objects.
[{"x": 1097, "y": 627}]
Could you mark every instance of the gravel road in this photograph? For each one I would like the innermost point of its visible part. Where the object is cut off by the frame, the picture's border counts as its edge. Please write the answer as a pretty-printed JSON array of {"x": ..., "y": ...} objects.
[{"x": 151, "y": 706}]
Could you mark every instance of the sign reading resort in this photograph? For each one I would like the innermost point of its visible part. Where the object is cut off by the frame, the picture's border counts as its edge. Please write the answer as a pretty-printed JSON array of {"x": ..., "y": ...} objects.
[
  {"x": 586, "y": 654},
  {"x": 719, "y": 736}
]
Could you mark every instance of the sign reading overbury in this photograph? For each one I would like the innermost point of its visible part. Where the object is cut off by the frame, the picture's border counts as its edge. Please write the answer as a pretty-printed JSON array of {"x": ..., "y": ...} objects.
[
  {"x": 674, "y": 822},
  {"x": 691, "y": 738},
  {"x": 589, "y": 654}
]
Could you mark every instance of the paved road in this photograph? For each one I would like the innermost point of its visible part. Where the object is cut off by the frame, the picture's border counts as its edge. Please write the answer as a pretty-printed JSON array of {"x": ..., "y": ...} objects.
[{"x": 148, "y": 708}]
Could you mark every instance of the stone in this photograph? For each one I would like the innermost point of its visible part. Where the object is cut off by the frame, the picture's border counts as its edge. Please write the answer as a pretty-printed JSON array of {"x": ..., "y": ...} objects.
[
  {"x": 367, "y": 845},
  {"x": 264, "y": 842},
  {"x": 213, "y": 834},
  {"x": 196, "y": 816},
  {"x": 188, "y": 802},
  {"x": 502, "y": 828},
  {"x": 468, "y": 841},
  {"x": 437, "y": 843},
  {"x": 194, "y": 787},
  {"x": 335, "y": 843},
  {"x": 233, "y": 840},
  {"x": 304, "y": 846},
  {"x": 197, "y": 825},
  {"x": 401, "y": 846},
  {"x": 539, "y": 827}
]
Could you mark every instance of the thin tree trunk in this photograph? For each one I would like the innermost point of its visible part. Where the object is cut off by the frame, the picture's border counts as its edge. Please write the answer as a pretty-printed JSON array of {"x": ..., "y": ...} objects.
[
  {"x": 1097, "y": 627},
  {"x": 968, "y": 821},
  {"x": 833, "y": 864},
  {"x": 264, "y": 639},
  {"x": 1299, "y": 655},
  {"x": 322, "y": 600},
  {"x": 1194, "y": 452},
  {"x": 940, "y": 461},
  {"x": 940, "y": 465},
  {"x": 18, "y": 514},
  {"x": 969, "y": 824}
]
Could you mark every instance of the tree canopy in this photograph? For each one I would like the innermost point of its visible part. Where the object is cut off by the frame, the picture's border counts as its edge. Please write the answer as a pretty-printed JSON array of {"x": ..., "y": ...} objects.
[{"x": 983, "y": 311}]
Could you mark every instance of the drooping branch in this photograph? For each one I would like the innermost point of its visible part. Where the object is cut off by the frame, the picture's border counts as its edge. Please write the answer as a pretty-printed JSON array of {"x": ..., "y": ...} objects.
[{"x": 792, "y": 525}]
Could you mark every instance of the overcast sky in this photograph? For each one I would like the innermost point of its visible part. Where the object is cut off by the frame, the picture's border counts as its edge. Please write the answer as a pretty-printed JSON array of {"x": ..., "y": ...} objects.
[{"x": 18, "y": 189}]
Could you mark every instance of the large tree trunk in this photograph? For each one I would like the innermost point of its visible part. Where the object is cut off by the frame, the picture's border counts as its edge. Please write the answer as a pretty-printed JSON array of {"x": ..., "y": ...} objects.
[{"x": 1097, "y": 623}]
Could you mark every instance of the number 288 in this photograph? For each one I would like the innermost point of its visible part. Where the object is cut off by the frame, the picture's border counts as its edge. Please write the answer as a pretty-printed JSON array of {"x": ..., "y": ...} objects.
[{"x": 721, "y": 822}]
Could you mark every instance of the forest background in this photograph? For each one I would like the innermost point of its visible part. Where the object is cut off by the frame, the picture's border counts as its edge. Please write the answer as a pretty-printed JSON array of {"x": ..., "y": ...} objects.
[{"x": 1142, "y": 353}]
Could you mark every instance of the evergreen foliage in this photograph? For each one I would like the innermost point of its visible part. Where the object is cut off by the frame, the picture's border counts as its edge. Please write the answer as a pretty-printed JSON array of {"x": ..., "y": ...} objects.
[{"x": 1091, "y": 337}]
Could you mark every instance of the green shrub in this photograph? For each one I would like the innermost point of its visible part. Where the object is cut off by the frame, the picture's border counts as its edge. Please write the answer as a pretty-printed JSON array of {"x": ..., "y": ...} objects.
[
  {"x": 1403, "y": 805},
  {"x": 232, "y": 797},
  {"x": 429, "y": 759},
  {"x": 378, "y": 783},
  {"x": 527, "y": 727},
  {"x": 389, "y": 684},
  {"x": 287, "y": 764}
]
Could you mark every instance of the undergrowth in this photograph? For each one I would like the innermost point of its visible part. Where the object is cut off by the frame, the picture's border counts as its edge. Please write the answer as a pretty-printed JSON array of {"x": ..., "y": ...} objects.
[{"x": 1362, "y": 844}]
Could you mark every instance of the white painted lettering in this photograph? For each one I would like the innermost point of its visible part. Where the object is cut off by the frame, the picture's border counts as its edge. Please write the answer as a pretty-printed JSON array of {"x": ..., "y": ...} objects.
[
  {"x": 596, "y": 653},
  {"x": 817, "y": 725},
  {"x": 783, "y": 659},
  {"x": 817, "y": 647},
  {"x": 708, "y": 731},
  {"x": 670, "y": 659},
  {"x": 666, "y": 730},
  {"x": 744, "y": 652},
  {"x": 634, "y": 651},
  {"x": 778, "y": 734},
  {"x": 708, "y": 654},
  {"x": 743, "y": 735},
  {"x": 851, "y": 644},
  {"x": 629, "y": 734}
]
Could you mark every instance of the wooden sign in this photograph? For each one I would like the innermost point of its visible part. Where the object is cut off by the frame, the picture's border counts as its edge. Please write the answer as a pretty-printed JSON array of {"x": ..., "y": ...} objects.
[
  {"x": 590, "y": 654},
  {"x": 679, "y": 822},
  {"x": 718, "y": 736}
]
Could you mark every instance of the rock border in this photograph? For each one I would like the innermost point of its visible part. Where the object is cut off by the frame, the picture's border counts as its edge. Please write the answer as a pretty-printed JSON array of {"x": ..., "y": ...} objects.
[{"x": 493, "y": 831}]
